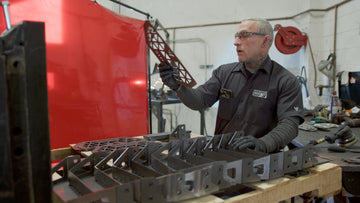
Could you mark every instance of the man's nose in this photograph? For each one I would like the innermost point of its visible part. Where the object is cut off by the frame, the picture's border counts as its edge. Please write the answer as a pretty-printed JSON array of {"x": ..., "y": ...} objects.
[{"x": 237, "y": 41}]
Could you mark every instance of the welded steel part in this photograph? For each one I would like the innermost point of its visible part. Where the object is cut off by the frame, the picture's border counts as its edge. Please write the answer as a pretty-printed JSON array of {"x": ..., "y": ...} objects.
[
  {"x": 163, "y": 52},
  {"x": 179, "y": 132},
  {"x": 109, "y": 145},
  {"x": 174, "y": 171},
  {"x": 270, "y": 166}
]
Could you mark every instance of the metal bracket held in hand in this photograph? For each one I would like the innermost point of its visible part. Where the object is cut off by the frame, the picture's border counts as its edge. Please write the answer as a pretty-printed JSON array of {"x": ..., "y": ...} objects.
[{"x": 165, "y": 54}]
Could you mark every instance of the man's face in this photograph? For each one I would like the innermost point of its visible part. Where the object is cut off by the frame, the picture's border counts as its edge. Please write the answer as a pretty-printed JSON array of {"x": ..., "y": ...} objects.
[{"x": 249, "y": 49}]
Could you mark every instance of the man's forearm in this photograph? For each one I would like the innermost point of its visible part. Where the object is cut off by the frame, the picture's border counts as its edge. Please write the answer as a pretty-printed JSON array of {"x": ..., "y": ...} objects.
[
  {"x": 282, "y": 134},
  {"x": 191, "y": 98}
]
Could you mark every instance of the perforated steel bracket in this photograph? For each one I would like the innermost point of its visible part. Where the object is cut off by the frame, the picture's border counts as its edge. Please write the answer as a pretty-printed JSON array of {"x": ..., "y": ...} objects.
[
  {"x": 63, "y": 167},
  {"x": 163, "y": 52},
  {"x": 270, "y": 166}
]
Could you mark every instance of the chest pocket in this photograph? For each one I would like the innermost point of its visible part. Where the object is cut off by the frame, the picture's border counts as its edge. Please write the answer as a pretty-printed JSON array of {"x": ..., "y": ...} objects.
[
  {"x": 227, "y": 107},
  {"x": 262, "y": 110}
]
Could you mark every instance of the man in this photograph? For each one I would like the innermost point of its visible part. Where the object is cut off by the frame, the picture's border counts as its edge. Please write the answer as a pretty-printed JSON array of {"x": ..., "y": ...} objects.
[{"x": 257, "y": 96}]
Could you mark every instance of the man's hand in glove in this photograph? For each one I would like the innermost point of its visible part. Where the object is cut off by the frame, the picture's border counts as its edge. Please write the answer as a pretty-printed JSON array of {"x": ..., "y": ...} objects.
[
  {"x": 249, "y": 142},
  {"x": 169, "y": 75}
]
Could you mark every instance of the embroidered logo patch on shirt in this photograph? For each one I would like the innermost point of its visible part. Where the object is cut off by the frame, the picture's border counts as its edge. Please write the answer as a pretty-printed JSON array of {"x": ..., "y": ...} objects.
[
  {"x": 225, "y": 93},
  {"x": 259, "y": 93}
]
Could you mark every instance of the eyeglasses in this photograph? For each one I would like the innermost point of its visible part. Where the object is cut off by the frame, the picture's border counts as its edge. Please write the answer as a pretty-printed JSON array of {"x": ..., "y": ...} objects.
[{"x": 243, "y": 35}]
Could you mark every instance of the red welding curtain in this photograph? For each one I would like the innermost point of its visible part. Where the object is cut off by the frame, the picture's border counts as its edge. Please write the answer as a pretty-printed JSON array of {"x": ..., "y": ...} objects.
[{"x": 96, "y": 69}]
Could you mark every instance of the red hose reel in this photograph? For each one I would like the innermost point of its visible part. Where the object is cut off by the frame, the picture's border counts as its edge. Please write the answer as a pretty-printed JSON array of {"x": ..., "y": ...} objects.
[{"x": 289, "y": 40}]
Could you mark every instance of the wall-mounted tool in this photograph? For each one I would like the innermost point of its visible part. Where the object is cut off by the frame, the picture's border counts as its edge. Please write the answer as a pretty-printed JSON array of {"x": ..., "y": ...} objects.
[
  {"x": 163, "y": 52},
  {"x": 289, "y": 40},
  {"x": 326, "y": 66}
]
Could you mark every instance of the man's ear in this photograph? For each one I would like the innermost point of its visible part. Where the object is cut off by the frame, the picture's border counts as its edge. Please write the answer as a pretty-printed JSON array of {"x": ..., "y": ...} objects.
[{"x": 266, "y": 41}]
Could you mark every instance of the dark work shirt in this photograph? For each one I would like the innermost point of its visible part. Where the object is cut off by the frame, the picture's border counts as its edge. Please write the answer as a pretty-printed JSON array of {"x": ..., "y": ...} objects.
[{"x": 254, "y": 102}]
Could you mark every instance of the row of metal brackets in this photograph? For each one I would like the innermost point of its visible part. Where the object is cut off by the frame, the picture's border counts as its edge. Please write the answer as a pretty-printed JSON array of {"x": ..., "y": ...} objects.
[{"x": 175, "y": 171}]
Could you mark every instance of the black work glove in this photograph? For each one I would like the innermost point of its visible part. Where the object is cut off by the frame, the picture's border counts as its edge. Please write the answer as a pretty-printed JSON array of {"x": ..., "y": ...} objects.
[
  {"x": 249, "y": 142},
  {"x": 169, "y": 75}
]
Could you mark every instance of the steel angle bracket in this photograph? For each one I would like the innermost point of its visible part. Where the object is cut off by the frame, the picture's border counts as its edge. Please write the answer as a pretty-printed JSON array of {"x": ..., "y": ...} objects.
[
  {"x": 157, "y": 136},
  {"x": 87, "y": 165},
  {"x": 163, "y": 52},
  {"x": 151, "y": 190},
  {"x": 117, "y": 174},
  {"x": 125, "y": 192},
  {"x": 192, "y": 163},
  {"x": 176, "y": 155},
  {"x": 270, "y": 166},
  {"x": 160, "y": 156},
  {"x": 298, "y": 159},
  {"x": 63, "y": 167},
  {"x": 204, "y": 179},
  {"x": 226, "y": 139},
  {"x": 196, "y": 160},
  {"x": 141, "y": 162},
  {"x": 176, "y": 187},
  {"x": 180, "y": 132},
  {"x": 183, "y": 159},
  {"x": 192, "y": 145},
  {"x": 113, "y": 194},
  {"x": 178, "y": 149},
  {"x": 84, "y": 169},
  {"x": 197, "y": 146},
  {"x": 109, "y": 171},
  {"x": 309, "y": 159},
  {"x": 107, "y": 194},
  {"x": 247, "y": 153},
  {"x": 214, "y": 143},
  {"x": 222, "y": 141},
  {"x": 178, "y": 164},
  {"x": 240, "y": 171},
  {"x": 122, "y": 166},
  {"x": 217, "y": 156},
  {"x": 219, "y": 141},
  {"x": 293, "y": 160}
]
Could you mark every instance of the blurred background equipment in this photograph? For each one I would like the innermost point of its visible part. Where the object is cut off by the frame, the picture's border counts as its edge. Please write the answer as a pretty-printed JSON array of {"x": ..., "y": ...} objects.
[
  {"x": 326, "y": 66},
  {"x": 342, "y": 135}
]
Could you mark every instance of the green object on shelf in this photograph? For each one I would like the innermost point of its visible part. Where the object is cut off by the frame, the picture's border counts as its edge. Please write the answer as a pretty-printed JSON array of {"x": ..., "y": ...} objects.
[{"x": 319, "y": 120}]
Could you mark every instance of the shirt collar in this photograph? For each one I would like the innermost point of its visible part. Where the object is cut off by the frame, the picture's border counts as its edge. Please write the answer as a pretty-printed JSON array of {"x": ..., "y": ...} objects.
[{"x": 266, "y": 66}]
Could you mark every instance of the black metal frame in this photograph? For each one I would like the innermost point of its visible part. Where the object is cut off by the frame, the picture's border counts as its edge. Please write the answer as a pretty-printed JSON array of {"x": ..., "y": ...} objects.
[{"x": 24, "y": 127}]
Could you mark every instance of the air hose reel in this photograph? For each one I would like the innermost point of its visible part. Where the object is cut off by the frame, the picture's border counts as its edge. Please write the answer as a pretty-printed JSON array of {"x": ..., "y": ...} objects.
[{"x": 289, "y": 40}]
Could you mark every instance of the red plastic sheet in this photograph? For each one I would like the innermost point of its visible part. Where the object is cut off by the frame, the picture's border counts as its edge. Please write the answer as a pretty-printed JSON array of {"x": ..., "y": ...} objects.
[{"x": 96, "y": 69}]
